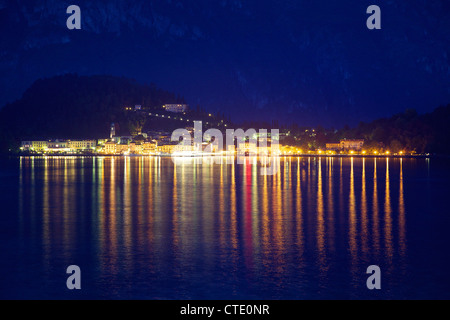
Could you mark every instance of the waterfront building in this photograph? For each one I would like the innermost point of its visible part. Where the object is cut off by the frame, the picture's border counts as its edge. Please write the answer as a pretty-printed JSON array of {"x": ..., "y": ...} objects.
[
  {"x": 110, "y": 147},
  {"x": 36, "y": 146},
  {"x": 58, "y": 146},
  {"x": 333, "y": 146},
  {"x": 166, "y": 148},
  {"x": 355, "y": 144},
  {"x": 122, "y": 148},
  {"x": 135, "y": 148},
  {"x": 248, "y": 148},
  {"x": 81, "y": 145},
  {"x": 26, "y": 145},
  {"x": 149, "y": 148}
]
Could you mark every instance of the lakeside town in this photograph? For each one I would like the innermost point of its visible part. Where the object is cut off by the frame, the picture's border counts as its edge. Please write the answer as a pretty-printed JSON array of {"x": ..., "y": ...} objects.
[{"x": 159, "y": 143}]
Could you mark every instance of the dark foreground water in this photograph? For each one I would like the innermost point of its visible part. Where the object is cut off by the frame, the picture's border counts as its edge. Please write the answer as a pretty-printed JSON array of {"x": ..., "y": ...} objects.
[{"x": 148, "y": 229}]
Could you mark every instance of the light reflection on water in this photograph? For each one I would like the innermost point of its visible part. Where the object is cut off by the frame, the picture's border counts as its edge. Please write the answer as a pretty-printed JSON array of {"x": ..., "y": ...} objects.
[{"x": 144, "y": 227}]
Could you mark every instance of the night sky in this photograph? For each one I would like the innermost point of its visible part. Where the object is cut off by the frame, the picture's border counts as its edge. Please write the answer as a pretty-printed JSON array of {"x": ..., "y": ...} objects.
[{"x": 308, "y": 62}]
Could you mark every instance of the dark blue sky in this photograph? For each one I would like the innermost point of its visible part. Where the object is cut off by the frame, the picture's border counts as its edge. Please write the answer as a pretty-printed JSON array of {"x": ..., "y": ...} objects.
[{"x": 309, "y": 62}]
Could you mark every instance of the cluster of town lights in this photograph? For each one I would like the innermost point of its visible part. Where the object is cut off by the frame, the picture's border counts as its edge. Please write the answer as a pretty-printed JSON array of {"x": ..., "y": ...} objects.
[{"x": 289, "y": 150}]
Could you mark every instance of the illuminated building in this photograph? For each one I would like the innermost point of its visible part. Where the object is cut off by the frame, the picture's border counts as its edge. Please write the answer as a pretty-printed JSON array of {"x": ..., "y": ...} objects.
[
  {"x": 166, "y": 149},
  {"x": 109, "y": 147},
  {"x": 333, "y": 146},
  {"x": 356, "y": 144},
  {"x": 248, "y": 148},
  {"x": 26, "y": 145},
  {"x": 122, "y": 148},
  {"x": 37, "y": 146},
  {"x": 135, "y": 148},
  {"x": 58, "y": 146},
  {"x": 112, "y": 147},
  {"x": 80, "y": 145},
  {"x": 176, "y": 108},
  {"x": 149, "y": 148}
]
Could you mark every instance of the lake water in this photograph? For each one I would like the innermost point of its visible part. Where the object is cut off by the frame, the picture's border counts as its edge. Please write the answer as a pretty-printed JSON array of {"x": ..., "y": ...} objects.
[{"x": 144, "y": 228}]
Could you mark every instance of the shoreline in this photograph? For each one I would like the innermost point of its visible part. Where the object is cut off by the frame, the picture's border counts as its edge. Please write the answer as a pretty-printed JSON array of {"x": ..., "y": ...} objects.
[{"x": 208, "y": 156}]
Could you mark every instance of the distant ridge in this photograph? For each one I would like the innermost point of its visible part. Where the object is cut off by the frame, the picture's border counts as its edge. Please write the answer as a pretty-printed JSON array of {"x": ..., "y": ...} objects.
[
  {"x": 83, "y": 107},
  {"x": 76, "y": 107}
]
